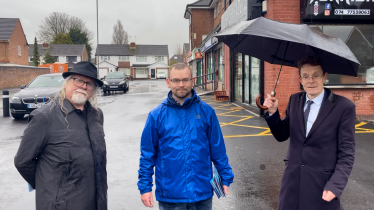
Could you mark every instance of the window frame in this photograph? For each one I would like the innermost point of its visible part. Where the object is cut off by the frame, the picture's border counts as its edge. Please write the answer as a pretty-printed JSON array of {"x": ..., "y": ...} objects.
[
  {"x": 123, "y": 58},
  {"x": 215, "y": 12},
  {"x": 67, "y": 58},
  {"x": 138, "y": 58}
]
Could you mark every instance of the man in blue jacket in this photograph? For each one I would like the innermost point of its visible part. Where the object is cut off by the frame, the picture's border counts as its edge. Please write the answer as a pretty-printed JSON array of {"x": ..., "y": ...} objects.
[{"x": 182, "y": 137}]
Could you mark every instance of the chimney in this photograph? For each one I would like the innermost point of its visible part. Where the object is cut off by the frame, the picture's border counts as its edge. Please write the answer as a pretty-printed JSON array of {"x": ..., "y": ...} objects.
[
  {"x": 45, "y": 45},
  {"x": 132, "y": 45}
]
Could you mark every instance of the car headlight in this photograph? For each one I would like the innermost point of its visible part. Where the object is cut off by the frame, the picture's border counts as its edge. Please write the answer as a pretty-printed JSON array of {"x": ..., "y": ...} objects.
[
  {"x": 121, "y": 83},
  {"x": 106, "y": 83},
  {"x": 15, "y": 100}
]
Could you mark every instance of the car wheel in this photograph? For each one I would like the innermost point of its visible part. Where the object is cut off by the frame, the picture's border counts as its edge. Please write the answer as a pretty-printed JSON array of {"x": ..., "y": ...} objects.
[{"x": 17, "y": 116}]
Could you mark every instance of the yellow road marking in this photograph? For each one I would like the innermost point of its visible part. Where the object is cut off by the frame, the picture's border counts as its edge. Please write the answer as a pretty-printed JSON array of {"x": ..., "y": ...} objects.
[{"x": 227, "y": 112}]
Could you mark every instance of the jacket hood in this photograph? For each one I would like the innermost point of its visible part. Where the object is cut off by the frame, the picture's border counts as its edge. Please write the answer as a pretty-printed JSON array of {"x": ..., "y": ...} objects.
[{"x": 170, "y": 101}]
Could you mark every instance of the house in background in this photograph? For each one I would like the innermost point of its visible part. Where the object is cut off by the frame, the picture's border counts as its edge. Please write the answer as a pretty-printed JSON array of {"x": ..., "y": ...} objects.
[
  {"x": 138, "y": 61},
  {"x": 13, "y": 43},
  {"x": 63, "y": 53},
  {"x": 176, "y": 59},
  {"x": 106, "y": 67}
]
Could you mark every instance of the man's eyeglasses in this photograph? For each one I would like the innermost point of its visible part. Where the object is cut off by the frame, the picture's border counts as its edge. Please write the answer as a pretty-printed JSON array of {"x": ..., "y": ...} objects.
[
  {"x": 177, "y": 81},
  {"x": 314, "y": 77},
  {"x": 79, "y": 83}
]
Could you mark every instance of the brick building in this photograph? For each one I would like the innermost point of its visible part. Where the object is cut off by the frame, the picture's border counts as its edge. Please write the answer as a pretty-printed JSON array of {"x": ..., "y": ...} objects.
[
  {"x": 244, "y": 77},
  {"x": 13, "y": 43}
]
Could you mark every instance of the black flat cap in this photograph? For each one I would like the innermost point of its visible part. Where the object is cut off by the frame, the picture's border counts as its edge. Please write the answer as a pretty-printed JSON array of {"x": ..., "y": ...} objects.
[{"x": 84, "y": 68}]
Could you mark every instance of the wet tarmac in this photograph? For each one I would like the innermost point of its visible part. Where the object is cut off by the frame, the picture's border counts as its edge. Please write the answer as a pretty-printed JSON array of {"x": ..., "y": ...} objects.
[{"x": 256, "y": 158}]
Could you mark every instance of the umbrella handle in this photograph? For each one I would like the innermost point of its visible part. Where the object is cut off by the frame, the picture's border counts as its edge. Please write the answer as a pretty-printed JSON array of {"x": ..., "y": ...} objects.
[{"x": 258, "y": 101}]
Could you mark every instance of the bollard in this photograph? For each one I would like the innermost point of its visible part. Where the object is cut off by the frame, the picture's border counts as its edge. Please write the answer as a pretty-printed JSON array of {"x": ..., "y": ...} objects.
[{"x": 5, "y": 103}]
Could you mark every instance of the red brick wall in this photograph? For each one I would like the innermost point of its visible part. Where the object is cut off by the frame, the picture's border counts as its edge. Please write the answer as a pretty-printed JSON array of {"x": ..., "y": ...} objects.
[
  {"x": 363, "y": 99},
  {"x": 286, "y": 11},
  {"x": 85, "y": 54},
  {"x": 13, "y": 76},
  {"x": 4, "y": 52},
  {"x": 18, "y": 38},
  {"x": 202, "y": 24}
]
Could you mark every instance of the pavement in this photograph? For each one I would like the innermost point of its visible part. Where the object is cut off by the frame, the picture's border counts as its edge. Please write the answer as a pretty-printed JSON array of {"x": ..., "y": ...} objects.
[{"x": 255, "y": 156}]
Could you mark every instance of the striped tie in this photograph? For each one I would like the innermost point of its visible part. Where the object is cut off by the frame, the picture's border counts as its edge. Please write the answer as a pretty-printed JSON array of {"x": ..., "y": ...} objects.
[{"x": 306, "y": 113}]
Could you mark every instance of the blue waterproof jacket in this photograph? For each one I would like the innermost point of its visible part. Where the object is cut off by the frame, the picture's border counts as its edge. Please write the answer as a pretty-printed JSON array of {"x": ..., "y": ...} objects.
[{"x": 182, "y": 142}]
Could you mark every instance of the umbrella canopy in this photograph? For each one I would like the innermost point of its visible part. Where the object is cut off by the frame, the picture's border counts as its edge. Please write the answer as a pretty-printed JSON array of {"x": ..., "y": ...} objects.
[{"x": 274, "y": 41}]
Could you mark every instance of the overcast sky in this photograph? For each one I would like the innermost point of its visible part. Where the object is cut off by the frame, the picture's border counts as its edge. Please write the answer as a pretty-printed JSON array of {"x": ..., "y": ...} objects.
[{"x": 151, "y": 21}]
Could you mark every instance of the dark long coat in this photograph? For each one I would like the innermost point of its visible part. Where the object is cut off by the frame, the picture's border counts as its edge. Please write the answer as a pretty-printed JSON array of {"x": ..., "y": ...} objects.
[
  {"x": 321, "y": 161},
  {"x": 63, "y": 156}
]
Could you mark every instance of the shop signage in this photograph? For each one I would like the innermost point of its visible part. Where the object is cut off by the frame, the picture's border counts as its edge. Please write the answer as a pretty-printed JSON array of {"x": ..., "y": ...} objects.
[
  {"x": 198, "y": 55},
  {"x": 332, "y": 10}
]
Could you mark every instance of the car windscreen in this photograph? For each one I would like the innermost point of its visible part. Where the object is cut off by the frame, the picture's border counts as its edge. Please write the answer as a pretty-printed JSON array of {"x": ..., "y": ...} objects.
[
  {"x": 114, "y": 76},
  {"x": 51, "y": 81}
]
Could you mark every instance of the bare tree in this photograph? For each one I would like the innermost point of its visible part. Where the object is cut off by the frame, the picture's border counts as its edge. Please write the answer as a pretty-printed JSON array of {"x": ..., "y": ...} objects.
[
  {"x": 119, "y": 34},
  {"x": 178, "y": 50},
  {"x": 56, "y": 23}
]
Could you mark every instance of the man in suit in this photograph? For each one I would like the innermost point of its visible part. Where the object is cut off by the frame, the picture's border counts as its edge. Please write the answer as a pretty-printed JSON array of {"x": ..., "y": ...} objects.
[{"x": 321, "y": 128}]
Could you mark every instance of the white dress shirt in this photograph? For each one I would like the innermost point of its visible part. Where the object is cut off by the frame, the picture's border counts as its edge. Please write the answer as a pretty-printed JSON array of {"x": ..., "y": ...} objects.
[{"x": 314, "y": 109}]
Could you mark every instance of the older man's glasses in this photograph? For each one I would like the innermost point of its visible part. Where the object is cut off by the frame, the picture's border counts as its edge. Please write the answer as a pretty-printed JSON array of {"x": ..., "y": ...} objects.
[
  {"x": 314, "y": 78},
  {"x": 177, "y": 81},
  {"x": 79, "y": 83}
]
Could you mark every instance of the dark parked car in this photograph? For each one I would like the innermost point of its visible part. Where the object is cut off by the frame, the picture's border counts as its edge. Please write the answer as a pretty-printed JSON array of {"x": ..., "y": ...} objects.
[
  {"x": 36, "y": 94},
  {"x": 116, "y": 81}
]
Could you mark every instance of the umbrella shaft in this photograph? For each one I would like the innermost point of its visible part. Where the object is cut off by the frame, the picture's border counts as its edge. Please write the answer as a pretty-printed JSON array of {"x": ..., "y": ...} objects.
[{"x": 280, "y": 69}]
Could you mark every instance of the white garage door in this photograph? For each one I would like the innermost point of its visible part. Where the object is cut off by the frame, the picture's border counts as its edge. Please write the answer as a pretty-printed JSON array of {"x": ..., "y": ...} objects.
[
  {"x": 163, "y": 70},
  {"x": 102, "y": 72},
  {"x": 141, "y": 73}
]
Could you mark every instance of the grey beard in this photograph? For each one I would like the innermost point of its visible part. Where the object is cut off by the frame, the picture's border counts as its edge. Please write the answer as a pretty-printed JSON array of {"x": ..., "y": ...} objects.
[{"x": 79, "y": 98}]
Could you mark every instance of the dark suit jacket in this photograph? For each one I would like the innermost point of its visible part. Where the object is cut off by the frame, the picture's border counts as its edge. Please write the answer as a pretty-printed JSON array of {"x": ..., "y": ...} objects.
[{"x": 321, "y": 161}]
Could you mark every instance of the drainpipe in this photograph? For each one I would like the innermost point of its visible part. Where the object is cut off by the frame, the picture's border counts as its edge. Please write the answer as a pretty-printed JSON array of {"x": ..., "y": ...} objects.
[{"x": 191, "y": 30}]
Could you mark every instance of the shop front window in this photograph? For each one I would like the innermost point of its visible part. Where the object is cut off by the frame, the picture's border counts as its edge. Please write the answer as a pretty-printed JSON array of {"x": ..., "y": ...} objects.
[
  {"x": 220, "y": 64},
  {"x": 360, "y": 39},
  {"x": 238, "y": 77},
  {"x": 246, "y": 78},
  {"x": 255, "y": 79},
  {"x": 209, "y": 66}
]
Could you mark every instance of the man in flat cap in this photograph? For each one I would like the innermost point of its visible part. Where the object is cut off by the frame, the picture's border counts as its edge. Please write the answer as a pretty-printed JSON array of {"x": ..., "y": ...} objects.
[{"x": 62, "y": 154}]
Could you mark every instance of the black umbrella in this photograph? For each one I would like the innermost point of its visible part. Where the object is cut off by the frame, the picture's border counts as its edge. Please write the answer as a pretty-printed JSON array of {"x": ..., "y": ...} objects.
[{"x": 285, "y": 43}]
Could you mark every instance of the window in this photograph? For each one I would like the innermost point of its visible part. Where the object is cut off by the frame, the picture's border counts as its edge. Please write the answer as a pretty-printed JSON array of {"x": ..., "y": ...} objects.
[
  {"x": 71, "y": 58},
  {"x": 30, "y": 59},
  {"x": 159, "y": 58},
  {"x": 56, "y": 59},
  {"x": 105, "y": 58},
  {"x": 125, "y": 70},
  {"x": 141, "y": 73},
  {"x": 123, "y": 58},
  {"x": 141, "y": 59},
  {"x": 19, "y": 50},
  {"x": 215, "y": 12},
  {"x": 224, "y": 4},
  {"x": 219, "y": 7},
  {"x": 360, "y": 39}
]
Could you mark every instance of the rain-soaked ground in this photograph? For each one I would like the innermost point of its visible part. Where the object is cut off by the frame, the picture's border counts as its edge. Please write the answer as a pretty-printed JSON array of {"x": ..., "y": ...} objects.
[{"x": 256, "y": 158}]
